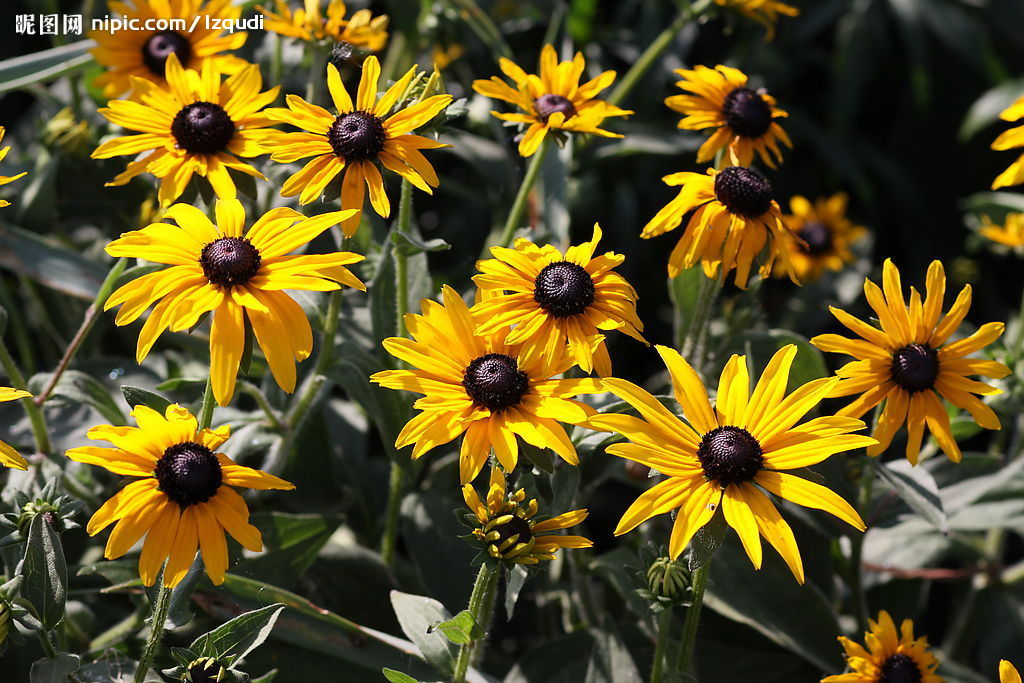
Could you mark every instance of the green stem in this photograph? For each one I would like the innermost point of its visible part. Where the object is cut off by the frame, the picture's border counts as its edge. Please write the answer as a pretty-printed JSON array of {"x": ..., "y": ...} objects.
[
  {"x": 156, "y": 633},
  {"x": 515, "y": 214},
  {"x": 403, "y": 226},
  {"x": 206, "y": 409},
  {"x": 860, "y": 598},
  {"x": 664, "y": 626},
  {"x": 396, "y": 488},
  {"x": 317, "y": 74},
  {"x": 689, "y": 638},
  {"x": 35, "y": 413},
  {"x": 655, "y": 49},
  {"x": 261, "y": 400},
  {"x": 481, "y": 606},
  {"x": 44, "y": 640},
  {"x": 483, "y": 26},
  {"x": 692, "y": 344},
  {"x": 92, "y": 314}
]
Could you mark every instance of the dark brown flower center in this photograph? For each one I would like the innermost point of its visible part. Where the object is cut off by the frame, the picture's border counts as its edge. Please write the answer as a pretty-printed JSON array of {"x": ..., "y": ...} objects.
[
  {"x": 747, "y": 113},
  {"x": 900, "y": 669},
  {"x": 563, "y": 289},
  {"x": 188, "y": 473},
  {"x": 915, "y": 367},
  {"x": 547, "y": 105},
  {"x": 358, "y": 136},
  {"x": 743, "y": 191},
  {"x": 202, "y": 128},
  {"x": 730, "y": 455},
  {"x": 162, "y": 45},
  {"x": 517, "y": 526},
  {"x": 818, "y": 237},
  {"x": 230, "y": 261},
  {"x": 495, "y": 382}
]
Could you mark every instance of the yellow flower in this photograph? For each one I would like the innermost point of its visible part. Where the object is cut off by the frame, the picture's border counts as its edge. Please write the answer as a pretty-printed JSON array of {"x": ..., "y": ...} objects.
[
  {"x": 4, "y": 179},
  {"x": 237, "y": 278},
  {"x": 731, "y": 216},
  {"x": 362, "y": 29},
  {"x": 144, "y": 54},
  {"x": 764, "y": 12},
  {"x": 825, "y": 235},
  {"x": 508, "y": 531},
  {"x": 1008, "y": 672},
  {"x": 1010, "y": 139},
  {"x": 355, "y": 140},
  {"x": 908, "y": 364},
  {"x": 557, "y": 299},
  {"x": 184, "y": 501},
  {"x": 743, "y": 119},
  {"x": 554, "y": 100},
  {"x": 724, "y": 456},
  {"x": 195, "y": 124},
  {"x": 890, "y": 655},
  {"x": 8, "y": 456},
  {"x": 1010, "y": 233},
  {"x": 477, "y": 384}
]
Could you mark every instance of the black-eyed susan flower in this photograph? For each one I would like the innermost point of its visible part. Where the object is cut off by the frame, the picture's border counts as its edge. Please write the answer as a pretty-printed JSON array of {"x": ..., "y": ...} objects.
[
  {"x": 552, "y": 101},
  {"x": 143, "y": 53},
  {"x": 506, "y": 529},
  {"x": 1011, "y": 139},
  {"x": 307, "y": 23},
  {"x": 907, "y": 363},
  {"x": 4, "y": 179},
  {"x": 729, "y": 455},
  {"x": 236, "y": 275},
  {"x": 731, "y": 217},
  {"x": 477, "y": 384},
  {"x": 8, "y": 456},
  {"x": 195, "y": 124},
  {"x": 825, "y": 234},
  {"x": 743, "y": 119},
  {"x": 553, "y": 299},
  {"x": 1009, "y": 234},
  {"x": 184, "y": 501},
  {"x": 889, "y": 655},
  {"x": 1008, "y": 672},
  {"x": 357, "y": 138},
  {"x": 764, "y": 12}
]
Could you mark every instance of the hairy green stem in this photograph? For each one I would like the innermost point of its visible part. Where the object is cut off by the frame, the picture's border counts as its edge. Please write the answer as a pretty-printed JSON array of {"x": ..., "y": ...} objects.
[
  {"x": 206, "y": 409},
  {"x": 156, "y": 633},
  {"x": 691, "y": 346},
  {"x": 664, "y": 626},
  {"x": 396, "y": 489},
  {"x": 44, "y": 640},
  {"x": 92, "y": 314},
  {"x": 689, "y": 637},
  {"x": 481, "y": 606},
  {"x": 35, "y": 413},
  {"x": 401, "y": 260},
  {"x": 515, "y": 214}
]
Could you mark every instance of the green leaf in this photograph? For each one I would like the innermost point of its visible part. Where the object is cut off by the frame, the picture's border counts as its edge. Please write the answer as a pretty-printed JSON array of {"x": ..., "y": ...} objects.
[
  {"x": 610, "y": 661},
  {"x": 461, "y": 629},
  {"x": 416, "y": 614},
  {"x": 808, "y": 365},
  {"x": 684, "y": 290},
  {"x": 388, "y": 409},
  {"x": 995, "y": 205},
  {"x": 707, "y": 541},
  {"x": 45, "y": 572},
  {"x": 179, "y": 611},
  {"x": 240, "y": 636},
  {"x": 397, "y": 676},
  {"x": 54, "y": 266},
  {"x": 54, "y": 670},
  {"x": 411, "y": 243},
  {"x": 516, "y": 580},
  {"x": 135, "y": 396},
  {"x": 986, "y": 109},
  {"x": 45, "y": 65},
  {"x": 293, "y": 542},
  {"x": 79, "y": 387},
  {"x": 917, "y": 488}
]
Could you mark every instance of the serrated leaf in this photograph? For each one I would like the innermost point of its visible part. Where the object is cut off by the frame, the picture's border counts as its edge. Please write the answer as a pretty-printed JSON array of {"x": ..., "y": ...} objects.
[
  {"x": 240, "y": 636},
  {"x": 917, "y": 488},
  {"x": 45, "y": 572},
  {"x": 135, "y": 396},
  {"x": 461, "y": 629}
]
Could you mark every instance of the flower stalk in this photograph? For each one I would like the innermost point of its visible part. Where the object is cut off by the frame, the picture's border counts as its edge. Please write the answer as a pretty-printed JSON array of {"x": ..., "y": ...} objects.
[
  {"x": 35, "y": 413},
  {"x": 515, "y": 214},
  {"x": 156, "y": 632},
  {"x": 481, "y": 607},
  {"x": 689, "y": 638},
  {"x": 660, "y": 645}
]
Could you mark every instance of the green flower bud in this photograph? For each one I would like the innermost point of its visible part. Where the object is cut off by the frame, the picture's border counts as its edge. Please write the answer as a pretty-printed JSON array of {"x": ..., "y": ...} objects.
[
  {"x": 204, "y": 670},
  {"x": 668, "y": 579}
]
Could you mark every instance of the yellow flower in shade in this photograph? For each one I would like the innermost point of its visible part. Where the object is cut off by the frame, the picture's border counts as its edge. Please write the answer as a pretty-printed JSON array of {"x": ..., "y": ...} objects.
[
  {"x": 727, "y": 456},
  {"x": 907, "y": 363},
  {"x": 731, "y": 216},
  {"x": 8, "y": 456},
  {"x": 507, "y": 529},
  {"x": 1010, "y": 233},
  {"x": 552, "y": 101},
  {"x": 825, "y": 235},
  {"x": 1008, "y": 672},
  {"x": 239, "y": 276},
  {"x": 477, "y": 384},
  {"x": 890, "y": 655},
  {"x": 764, "y": 12},
  {"x": 195, "y": 125},
  {"x": 307, "y": 23},
  {"x": 144, "y": 53},
  {"x": 355, "y": 140},
  {"x": 4, "y": 179},
  {"x": 1010, "y": 139},
  {"x": 553, "y": 298},
  {"x": 184, "y": 502},
  {"x": 743, "y": 119}
]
